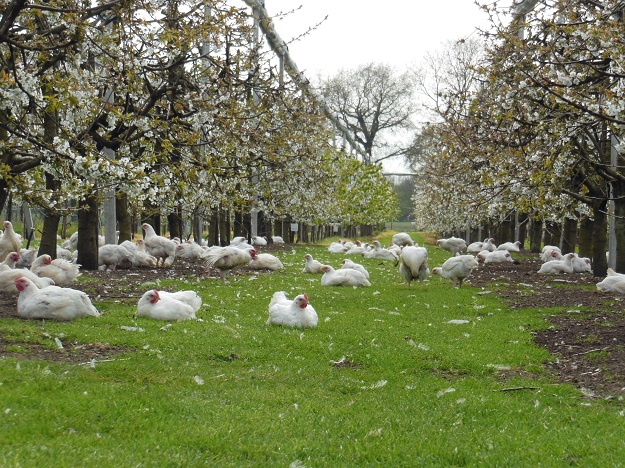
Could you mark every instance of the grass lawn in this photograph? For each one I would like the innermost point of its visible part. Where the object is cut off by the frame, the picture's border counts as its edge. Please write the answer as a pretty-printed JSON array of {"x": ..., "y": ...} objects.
[{"x": 385, "y": 379}]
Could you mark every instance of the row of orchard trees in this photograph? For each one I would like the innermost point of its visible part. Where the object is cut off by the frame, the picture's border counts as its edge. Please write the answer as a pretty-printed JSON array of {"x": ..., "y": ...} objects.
[
  {"x": 529, "y": 126},
  {"x": 170, "y": 104}
]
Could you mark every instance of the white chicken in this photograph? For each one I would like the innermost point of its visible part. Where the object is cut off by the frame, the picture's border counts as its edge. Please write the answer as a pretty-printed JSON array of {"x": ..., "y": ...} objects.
[
  {"x": 396, "y": 249},
  {"x": 238, "y": 240},
  {"x": 510, "y": 246},
  {"x": 549, "y": 253},
  {"x": 337, "y": 247},
  {"x": 65, "y": 254},
  {"x": 456, "y": 268},
  {"x": 296, "y": 313},
  {"x": 277, "y": 240},
  {"x": 61, "y": 271},
  {"x": 260, "y": 241},
  {"x": 190, "y": 251},
  {"x": 581, "y": 264},
  {"x": 158, "y": 246},
  {"x": 312, "y": 265},
  {"x": 139, "y": 257},
  {"x": 112, "y": 255},
  {"x": 10, "y": 261},
  {"x": 477, "y": 247},
  {"x": 342, "y": 277},
  {"x": 402, "y": 239},
  {"x": 414, "y": 264},
  {"x": 452, "y": 244},
  {"x": 266, "y": 261},
  {"x": 27, "y": 256},
  {"x": 357, "y": 248},
  {"x": 189, "y": 297},
  {"x": 7, "y": 279},
  {"x": 52, "y": 302},
  {"x": 556, "y": 267},
  {"x": 351, "y": 265},
  {"x": 227, "y": 258},
  {"x": 9, "y": 241},
  {"x": 384, "y": 254},
  {"x": 496, "y": 256},
  {"x": 72, "y": 242},
  {"x": 614, "y": 282},
  {"x": 164, "y": 307}
]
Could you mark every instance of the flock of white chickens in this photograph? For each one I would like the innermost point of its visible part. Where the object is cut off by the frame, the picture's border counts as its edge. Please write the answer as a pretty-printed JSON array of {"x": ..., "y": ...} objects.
[{"x": 42, "y": 283}]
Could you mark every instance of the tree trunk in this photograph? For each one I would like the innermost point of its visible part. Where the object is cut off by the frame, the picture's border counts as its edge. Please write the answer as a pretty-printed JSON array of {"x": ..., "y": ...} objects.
[
  {"x": 50, "y": 223},
  {"x": 285, "y": 230},
  {"x": 124, "y": 220},
  {"x": 247, "y": 226},
  {"x": 198, "y": 224},
  {"x": 238, "y": 228},
  {"x": 523, "y": 222},
  {"x": 152, "y": 216},
  {"x": 553, "y": 232},
  {"x": 600, "y": 240},
  {"x": 585, "y": 236},
  {"x": 88, "y": 233},
  {"x": 569, "y": 235},
  {"x": 174, "y": 221},
  {"x": 536, "y": 235},
  {"x": 505, "y": 233},
  {"x": 619, "y": 220},
  {"x": 224, "y": 227},
  {"x": 213, "y": 227}
]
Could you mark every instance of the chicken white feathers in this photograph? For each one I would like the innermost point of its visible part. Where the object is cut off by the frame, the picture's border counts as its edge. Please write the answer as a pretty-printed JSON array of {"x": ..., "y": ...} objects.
[
  {"x": 414, "y": 263},
  {"x": 266, "y": 261},
  {"x": 163, "y": 249},
  {"x": 227, "y": 258},
  {"x": 296, "y": 313},
  {"x": 351, "y": 265},
  {"x": 312, "y": 265},
  {"x": 163, "y": 306},
  {"x": 402, "y": 239},
  {"x": 52, "y": 302},
  {"x": 61, "y": 271},
  {"x": 9, "y": 241},
  {"x": 456, "y": 268},
  {"x": 347, "y": 277}
]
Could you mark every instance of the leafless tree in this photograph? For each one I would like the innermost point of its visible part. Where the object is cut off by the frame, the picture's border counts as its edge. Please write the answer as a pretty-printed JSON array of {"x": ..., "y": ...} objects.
[{"x": 373, "y": 102}]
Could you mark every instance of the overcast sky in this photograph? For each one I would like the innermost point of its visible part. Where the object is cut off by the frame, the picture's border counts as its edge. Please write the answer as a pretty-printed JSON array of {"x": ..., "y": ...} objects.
[{"x": 357, "y": 32}]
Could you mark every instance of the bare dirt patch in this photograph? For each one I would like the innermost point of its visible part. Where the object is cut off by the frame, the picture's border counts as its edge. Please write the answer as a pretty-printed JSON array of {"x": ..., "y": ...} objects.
[{"x": 587, "y": 333}]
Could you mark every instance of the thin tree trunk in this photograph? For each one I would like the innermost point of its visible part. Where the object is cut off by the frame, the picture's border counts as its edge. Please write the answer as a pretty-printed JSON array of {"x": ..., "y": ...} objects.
[
  {"x": 174, "y": 222},
  {"x": 619, "y": 220},
  {"x": 523, "y": 223},
  {"x": 152, "y": 216},
  {"x": 600, "y": 240},
  {"x": 51, "y": 222},
  {"x": 585, "y": 236},
  {"x": 198, "y": 224},
  {"x": 213, "y": 227},
  {"x": 247, "y": 226},
  {"x": 536, "y": 235},
  {"x": 569, "y": 235},
  {"x": 238, "y": 228},
  {"x": 224, "y": 227},
  {"x": 124, "y": 220},
  {"x": 88, "y": 233}
]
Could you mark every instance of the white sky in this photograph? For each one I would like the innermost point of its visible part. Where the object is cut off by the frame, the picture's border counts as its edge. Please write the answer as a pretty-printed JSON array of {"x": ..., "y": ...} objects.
[{"x": 357, "y": 32}]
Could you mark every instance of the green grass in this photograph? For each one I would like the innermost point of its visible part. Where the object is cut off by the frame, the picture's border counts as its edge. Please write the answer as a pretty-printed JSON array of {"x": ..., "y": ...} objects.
[{"x": 230, "y": 390}]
